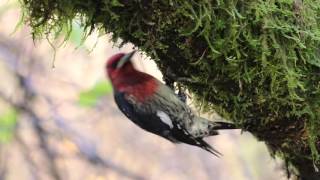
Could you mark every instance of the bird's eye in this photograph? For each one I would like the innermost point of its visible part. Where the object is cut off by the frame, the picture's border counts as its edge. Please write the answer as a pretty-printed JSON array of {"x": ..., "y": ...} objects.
[{"x": 114, "y": 65}]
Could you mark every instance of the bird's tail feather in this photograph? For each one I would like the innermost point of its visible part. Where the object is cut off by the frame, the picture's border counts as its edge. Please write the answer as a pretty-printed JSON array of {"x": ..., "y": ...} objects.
[
  {"x": 202, "y": 127},
  {"x": 204, "y": 145},
  {"x": 218, "y": 125}
]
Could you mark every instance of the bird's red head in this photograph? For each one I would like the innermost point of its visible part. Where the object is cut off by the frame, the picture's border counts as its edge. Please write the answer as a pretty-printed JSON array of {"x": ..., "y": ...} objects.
[
  {"x": 124, "y": 77},
  {"x": 119, "y": 64}
]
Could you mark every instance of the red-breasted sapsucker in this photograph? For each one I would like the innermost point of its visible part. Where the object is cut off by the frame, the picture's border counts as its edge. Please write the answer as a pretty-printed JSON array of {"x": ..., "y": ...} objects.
[{"x": 155, "y": 107}]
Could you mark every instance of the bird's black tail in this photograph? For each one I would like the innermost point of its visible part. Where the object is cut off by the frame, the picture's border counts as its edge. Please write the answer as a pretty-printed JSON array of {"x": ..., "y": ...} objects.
[
  {"x": 204, "y": 145},
  {"x": 218, "y": 125},
  {"x": 202, "y": 127},
  {"x": 213, "y": 126}
]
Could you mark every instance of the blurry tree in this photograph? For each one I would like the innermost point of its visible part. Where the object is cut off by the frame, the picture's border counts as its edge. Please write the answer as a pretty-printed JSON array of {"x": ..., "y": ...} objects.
[
  {"x": 254, "y": 62},
  {"x": 23, "y": 105},
  {"x": 17, "y": 67}
]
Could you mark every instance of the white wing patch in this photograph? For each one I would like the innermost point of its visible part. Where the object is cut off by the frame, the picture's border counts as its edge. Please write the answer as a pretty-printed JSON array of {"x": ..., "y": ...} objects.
[{"x": 165, "y": 118}]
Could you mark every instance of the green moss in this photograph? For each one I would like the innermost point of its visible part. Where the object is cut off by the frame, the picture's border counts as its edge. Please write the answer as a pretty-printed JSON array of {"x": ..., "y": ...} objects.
[{"x": 255, "y": 62}]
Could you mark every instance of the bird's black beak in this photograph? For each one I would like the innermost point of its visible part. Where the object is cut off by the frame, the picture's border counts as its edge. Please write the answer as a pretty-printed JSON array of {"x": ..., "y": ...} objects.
[{"x": 126, "y": 58}]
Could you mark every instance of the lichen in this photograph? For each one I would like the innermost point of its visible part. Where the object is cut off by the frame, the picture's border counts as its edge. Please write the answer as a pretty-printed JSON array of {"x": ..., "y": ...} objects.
[{"x": 255, "y": 62}]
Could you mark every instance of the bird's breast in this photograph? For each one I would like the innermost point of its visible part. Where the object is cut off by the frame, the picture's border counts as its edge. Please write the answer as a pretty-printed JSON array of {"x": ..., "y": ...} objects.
[{"x": 141, "y": 92}]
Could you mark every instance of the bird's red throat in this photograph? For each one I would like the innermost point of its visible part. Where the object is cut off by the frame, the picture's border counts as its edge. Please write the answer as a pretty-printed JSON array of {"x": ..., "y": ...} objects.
[{"x": 139, "y": 85}]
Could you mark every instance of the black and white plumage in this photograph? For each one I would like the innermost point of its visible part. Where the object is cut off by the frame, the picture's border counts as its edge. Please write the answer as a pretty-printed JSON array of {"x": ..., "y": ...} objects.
[{"x": 155, "y": 108}]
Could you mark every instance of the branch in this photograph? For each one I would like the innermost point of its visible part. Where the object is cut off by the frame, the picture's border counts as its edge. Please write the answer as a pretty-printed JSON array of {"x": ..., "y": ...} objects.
[
  {"x": 87, "y": 148},
  {"x": 26, "y": 154}
]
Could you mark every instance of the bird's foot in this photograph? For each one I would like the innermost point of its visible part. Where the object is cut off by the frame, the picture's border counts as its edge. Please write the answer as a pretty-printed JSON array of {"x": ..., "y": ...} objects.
[
  {"x": 182, "y": 94},
  {"x": 170, "y": 78}
]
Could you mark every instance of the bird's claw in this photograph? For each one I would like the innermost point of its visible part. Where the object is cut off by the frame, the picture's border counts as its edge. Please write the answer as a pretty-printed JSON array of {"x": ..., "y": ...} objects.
[{"x": 170, "y": 78}]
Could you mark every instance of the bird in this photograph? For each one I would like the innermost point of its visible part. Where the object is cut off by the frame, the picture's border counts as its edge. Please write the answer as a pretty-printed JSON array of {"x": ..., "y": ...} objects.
[{"x": 155, "y": 107}]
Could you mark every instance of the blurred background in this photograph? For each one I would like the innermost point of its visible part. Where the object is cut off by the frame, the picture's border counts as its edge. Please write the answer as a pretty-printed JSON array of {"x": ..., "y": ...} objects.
[{"x": 58, "y": 120}]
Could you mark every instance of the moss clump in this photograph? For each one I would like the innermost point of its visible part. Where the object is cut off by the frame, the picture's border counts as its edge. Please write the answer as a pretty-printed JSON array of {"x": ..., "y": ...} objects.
[{"x": 255, "y": 62}]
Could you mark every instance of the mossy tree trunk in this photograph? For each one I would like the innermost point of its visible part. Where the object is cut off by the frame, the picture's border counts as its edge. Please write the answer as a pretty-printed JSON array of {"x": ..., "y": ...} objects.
[{"x": 255, "y": 62}]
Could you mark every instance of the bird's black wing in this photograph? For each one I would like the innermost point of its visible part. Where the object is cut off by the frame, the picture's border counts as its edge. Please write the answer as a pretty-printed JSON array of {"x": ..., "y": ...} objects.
[
  {"x": 162, "y": 116},
  {"x": 147, "y": 118}
]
